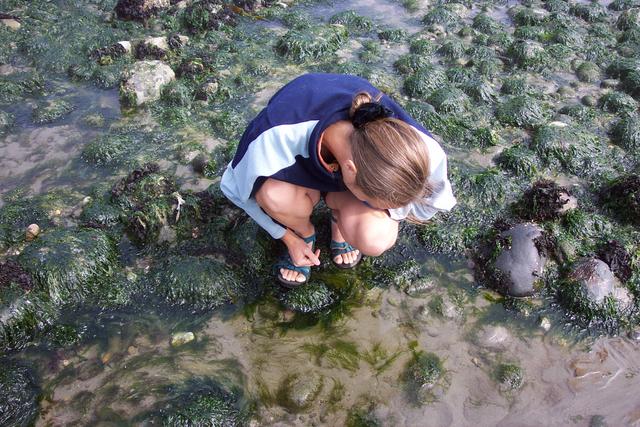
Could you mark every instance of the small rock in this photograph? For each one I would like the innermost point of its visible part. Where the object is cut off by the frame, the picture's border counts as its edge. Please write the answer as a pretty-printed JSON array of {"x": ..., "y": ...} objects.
[
  {"x": 297, "y": 392},
  {"x": 132, "y": 350},
  {"x": 106, "y": 357},
  {"x": 199, "y": 162},
  {"x": 634, "y": 335},
  {"x": 566, "y": 91},
  {"x": 493, "y": 337},
  {"x": 449, "y": 309},
  {"x": 422, "y": 313},
  {"x": 159, "y": 42},
  {"x": 32, "y": 232},
  {"x": 181, "y": 338},
  {"x": 126, "y": 45},
  {"x": 420, "y": 286},
  {"x": 545, "y": 323},
  {"x": 207, "y": 91},
  {"x": 589, "y": 101},
  {"x": 145, "y": 81},
  {"x": 12, "y": 24},
  {"x": 609, "y": 83}
]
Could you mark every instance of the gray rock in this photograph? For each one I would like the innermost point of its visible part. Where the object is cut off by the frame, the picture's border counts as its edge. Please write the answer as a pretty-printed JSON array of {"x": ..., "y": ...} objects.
[
  {"x": 297, "y": 392},
  {"x": 521, "y": 263},
  {"x": 597, "y": 282},
  {"x": 145, "y": 80},
  {"x": 139, "y": 10},
  {"x": 182, "y": 338},
  {"x": 589, "y": 101},
  {"x": 420, "y": 287},
  {"x": 493, "y": 337},
  {"x": 609, "y": 83}
]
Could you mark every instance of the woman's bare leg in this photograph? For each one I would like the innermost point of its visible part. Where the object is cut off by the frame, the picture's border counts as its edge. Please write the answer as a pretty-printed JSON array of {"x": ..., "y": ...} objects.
[
  {"x": 369, "y": 230},
  {"x": 291, "y": 205}
]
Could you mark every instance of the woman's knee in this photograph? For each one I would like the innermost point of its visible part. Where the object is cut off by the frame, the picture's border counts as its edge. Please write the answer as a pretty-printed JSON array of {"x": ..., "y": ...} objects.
[
  {"x": 279, "y": 197},
  {"x": 375, "y": 244},
  {"x": 371, "y": 236}
]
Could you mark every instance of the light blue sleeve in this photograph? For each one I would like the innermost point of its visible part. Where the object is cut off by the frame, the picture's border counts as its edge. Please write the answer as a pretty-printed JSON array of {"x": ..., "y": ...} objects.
[{"x": 229, "y": 187}]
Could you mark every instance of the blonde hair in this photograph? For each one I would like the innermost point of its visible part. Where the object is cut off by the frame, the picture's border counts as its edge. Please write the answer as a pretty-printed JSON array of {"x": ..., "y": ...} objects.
[{"x": 391, "y": 158}]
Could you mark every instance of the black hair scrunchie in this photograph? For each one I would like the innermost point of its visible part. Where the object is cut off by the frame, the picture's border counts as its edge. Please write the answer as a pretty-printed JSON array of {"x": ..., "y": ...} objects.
[{"x": 369, "y": 112}]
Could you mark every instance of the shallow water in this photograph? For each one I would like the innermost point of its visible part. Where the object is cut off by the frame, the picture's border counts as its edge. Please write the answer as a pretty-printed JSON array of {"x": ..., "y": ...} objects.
[{"x": 125, "y": 362}]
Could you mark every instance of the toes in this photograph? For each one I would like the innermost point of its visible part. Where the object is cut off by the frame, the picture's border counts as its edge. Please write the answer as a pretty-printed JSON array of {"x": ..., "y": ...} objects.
[{"x": 338, "y": 259}]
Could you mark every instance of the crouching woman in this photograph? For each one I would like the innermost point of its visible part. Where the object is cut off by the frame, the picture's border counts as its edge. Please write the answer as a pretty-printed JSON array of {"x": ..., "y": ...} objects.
[{"x": 339, "y": 137}]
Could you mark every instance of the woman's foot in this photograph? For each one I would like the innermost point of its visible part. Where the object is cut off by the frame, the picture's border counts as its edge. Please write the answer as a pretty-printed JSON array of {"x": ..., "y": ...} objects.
[
  {"x": 301, "y": 274},
  {"x": 338, "y": 242}
]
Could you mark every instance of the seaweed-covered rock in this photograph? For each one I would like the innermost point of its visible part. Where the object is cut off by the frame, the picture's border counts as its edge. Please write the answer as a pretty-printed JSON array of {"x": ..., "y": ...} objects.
[
  {"x": 519, "y": 263},
  {"x": 544, "y": 201},
  {"x": 566, "y": 146},
  {"x": 617, "y": 258},
  {"x": 393, "y": 35},
  {"x": 201, "y": 402},
  {"x": 312, "y": 297},
  {"x": 197, "y": 282},
  {"x": 446, "y": 15},
  {"x": 23, "y": 313},
  {"x": 480, "y": 89},
  {"x": 422, "y": 83},
  {"x": 588, "y": 72},
  {"x": 592, "y": 287},
  {"x": 297, "y": 392},
  {"x": 629, "y": 19},
  {"x": 17, "y": 215},
  {"x": 205, "y": 15},
  {"x": 51, "y": 111},
  {"x": 510, "y": 377},
  {"x": 100, "y": 213},
  {"x": 6, "y": 121},
  {"x": 353, "y": 21},
  {"x": 108, "y": 149},
  {"x": 617, "y": 102},
  {"x": 144, "y": 82},
  {"x": 622, "y": 196},
  {"x": 19, "y": 403},
  {"x": 411, "y": 63},
  {"x": 139, "y": 10},
  {"x": 150, "y": 202},
  {"x": 311, "y": 44},
  {"x": 519, "y": 160},
  {"x": 626, "y": 133},
  {"x": 521, "y": 111},
  {"x": 528, "y": 16},
  {"x": 591, "y": 12},
  {"x": 528, "y": 54},
  {"x": 70, "y": 265},
  {"x": 425, "y": 378},
  {"x": 449, "y": 100}
]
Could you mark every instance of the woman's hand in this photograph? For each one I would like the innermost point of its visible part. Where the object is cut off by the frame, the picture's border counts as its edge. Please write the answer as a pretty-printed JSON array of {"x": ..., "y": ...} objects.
[{"x": 299, "y": 251}]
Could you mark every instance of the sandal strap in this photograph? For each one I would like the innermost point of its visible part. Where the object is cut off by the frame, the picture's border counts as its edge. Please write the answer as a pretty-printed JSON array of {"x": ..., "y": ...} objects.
[
  {"x": 339, "y": 248},
  {"x": 285, "y": 262}
]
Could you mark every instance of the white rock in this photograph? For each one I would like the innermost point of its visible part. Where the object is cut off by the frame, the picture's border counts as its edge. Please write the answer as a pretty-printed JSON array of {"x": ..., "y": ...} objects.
[
  {"x": 182, "y": 338},
  {"x": 493, "y": 337},
  {"x": 145, "y": 80},
  {"x": 159, "y": 42},
  {"x": 126, "y": 45},
  {"x": 11, "y": 23}
]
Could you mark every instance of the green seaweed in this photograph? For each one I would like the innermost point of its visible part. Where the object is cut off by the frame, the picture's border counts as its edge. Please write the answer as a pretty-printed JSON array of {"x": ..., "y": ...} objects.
[
  {"x": 51, "y": 111},
  {"x": 509, "y": 376},
  {"x": 521, "y": 111},
  {"x": 197, "y": 282},
  {"x": 313, "y": 297},
  {"x": 354, "y": 22},
  {"x": 313, "y": 44},
  {"x": 425, "y": 377},
  {"x": 19, "y": 406},
  {"x": 70, "y": 265}
]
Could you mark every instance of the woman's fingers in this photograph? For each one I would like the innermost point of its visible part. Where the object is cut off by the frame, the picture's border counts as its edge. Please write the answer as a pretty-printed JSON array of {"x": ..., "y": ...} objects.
[{"x": 314, "y": 257}]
